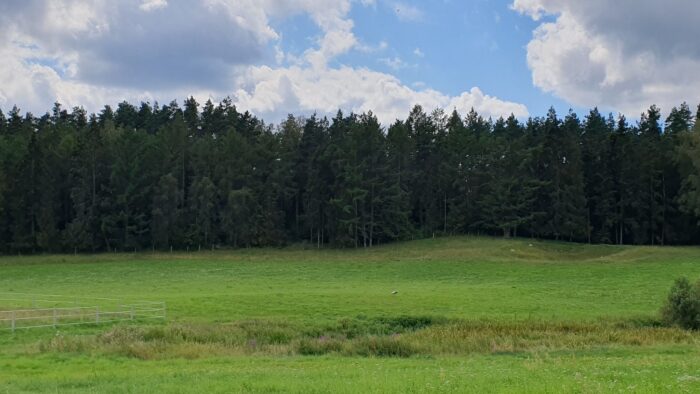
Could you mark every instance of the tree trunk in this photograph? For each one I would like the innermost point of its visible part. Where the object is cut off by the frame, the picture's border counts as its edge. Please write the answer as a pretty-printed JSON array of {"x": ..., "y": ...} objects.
[
  {"x": 371, "y": 216},
  {"x": 588, "y": 223},
  {"x": 651, "y": 209},
  {"x": 663, "y": 208},
  {"x": 444, "y": 213}
]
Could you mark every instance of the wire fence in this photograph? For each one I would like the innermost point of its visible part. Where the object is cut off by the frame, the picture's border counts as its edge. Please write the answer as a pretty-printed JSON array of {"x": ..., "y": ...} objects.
[{"x": 22, "y": 311}]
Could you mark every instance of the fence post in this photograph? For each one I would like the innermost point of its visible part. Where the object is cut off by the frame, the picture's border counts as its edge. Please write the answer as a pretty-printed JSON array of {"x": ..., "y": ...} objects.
[
  {"x": 132, "y": 312},
  {"x": 54, "y": 317},
  {"x": 97, "y": 314},
  {"x": 13, "y": 321}
]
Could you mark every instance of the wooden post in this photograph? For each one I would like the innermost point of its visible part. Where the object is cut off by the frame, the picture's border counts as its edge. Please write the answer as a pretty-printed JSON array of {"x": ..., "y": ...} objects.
[
  {"x": 132, "y": 313},
  {"x": 54, "y": 317},
  {"x": 13, "y": 321}
]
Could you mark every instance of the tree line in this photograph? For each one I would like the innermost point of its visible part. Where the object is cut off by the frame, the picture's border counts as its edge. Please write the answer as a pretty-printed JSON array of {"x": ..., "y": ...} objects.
[{"x": 164, "y": 177}]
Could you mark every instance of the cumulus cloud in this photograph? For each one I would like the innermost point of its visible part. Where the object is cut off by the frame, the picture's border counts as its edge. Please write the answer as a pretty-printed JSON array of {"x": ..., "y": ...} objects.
[
  {"x": 269, "y": 90},
  {"x": 117, "y": 44},
  {"x": 95, "y": 52},
  {"x": 623, "y": 55}
]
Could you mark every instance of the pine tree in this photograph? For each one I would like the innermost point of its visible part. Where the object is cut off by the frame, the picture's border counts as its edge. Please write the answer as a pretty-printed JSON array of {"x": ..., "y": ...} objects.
[
  {"x": 396, "y": 213},
  {"x": 126, "y": 116},
  {"x": 3, "y": 123},
  {"x": 677, "y": 227},
  {"x": 236, "y": 219},
  {"x": 688, "y": 160},
  {"x": 624, "y": 181},
  {"x": 127, "y": 215},
  {"x": 23, "y": 209},
  {"x": 455, "y": 167},
  {"x": 652, "y": 201},
  {"x": 165, "y": 212},
  {"x": 202, "y": 208},
  {"x": 191, "y": 116}
]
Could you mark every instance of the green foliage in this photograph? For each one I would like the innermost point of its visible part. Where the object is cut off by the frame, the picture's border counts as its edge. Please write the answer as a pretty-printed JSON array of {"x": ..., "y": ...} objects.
[
  {"x": 682, "y": 306},
  {"x": 162, "y": 177},
  {"x": 689, "y": 164}
]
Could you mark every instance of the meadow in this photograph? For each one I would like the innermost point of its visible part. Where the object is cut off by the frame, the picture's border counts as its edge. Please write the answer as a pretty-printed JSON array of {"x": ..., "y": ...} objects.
[{"x": 460, "y": 314}]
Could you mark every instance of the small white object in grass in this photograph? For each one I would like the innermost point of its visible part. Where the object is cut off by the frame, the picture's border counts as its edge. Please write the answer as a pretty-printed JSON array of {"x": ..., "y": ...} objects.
[
  {"x": 512, "y": 250},
  {"x": 530, "y": 245},
  {"x": 395, "y": 292}
]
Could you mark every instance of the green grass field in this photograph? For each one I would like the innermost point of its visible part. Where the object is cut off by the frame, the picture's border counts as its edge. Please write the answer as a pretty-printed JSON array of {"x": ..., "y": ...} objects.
[{"x": 469, "y": 315}]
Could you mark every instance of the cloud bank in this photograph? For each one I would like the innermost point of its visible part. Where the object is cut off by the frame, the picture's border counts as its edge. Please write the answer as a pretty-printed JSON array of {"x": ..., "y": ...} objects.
[
  {"x": 98, "y": 51},
  {"x": 624, "y": 54}
]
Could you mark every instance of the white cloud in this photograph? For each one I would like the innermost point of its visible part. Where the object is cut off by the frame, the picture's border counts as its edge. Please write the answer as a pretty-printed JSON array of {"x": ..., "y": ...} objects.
[
  {"x": 381, "y": 46},
  {"x": 276, "y": 91},
  {"x": 100, "y": 52},
  {"x": 395, "y": 63},
  {"x": 407, "y": 12},
  {"x": 150, "y": 5},
  {"x": 624, "y": 55},
  {"x": 418, "y": 52}
]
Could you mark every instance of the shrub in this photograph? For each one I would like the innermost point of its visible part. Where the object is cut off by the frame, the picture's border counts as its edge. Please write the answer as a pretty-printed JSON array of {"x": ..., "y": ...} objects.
[{"x": 682, "y": 306}]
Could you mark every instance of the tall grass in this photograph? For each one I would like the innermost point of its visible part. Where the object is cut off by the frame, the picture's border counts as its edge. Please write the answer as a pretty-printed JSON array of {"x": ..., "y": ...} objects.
[{"x": 399, "y": 337}]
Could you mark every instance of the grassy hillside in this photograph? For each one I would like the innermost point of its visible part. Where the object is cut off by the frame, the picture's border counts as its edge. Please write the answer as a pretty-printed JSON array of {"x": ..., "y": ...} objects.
[{"x": 468, "y": 314}]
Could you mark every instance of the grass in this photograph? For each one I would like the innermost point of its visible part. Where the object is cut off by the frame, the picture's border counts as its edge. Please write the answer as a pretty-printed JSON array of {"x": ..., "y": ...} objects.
[{"x": 470, "y": 314}]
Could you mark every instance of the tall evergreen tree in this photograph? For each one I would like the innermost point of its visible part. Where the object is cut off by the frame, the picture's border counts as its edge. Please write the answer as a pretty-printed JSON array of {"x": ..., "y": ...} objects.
[
  {"x": 162, "y": 176},
  {"x": 596, "y": 140},
  {"x": 652, "y": 202},
  {"x": 165, "y": 213}
]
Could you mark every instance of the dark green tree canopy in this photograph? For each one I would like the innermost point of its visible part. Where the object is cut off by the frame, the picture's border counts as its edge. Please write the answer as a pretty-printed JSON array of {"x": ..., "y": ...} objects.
[{"x": 202, "y": 176}]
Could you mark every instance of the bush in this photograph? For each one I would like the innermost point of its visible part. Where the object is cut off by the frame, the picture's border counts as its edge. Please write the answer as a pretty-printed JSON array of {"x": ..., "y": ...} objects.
[{"x": 682, "y": 306}]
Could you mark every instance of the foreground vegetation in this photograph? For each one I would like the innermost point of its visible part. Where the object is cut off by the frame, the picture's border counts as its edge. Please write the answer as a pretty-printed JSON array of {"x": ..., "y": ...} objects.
[{"x": 455, "y": 314}]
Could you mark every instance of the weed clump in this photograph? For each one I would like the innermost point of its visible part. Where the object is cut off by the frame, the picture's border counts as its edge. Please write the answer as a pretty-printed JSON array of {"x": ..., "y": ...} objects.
[
  {"x": 360, "y": 327},
  {"x": 318, "y": 346},
  {"x": 682, "y": 307},
  {"x": 382, "y": 346}
]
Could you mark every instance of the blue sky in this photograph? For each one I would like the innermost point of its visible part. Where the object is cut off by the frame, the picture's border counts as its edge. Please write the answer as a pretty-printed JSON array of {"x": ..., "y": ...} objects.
[
  {"x": 274, "y": 57},
  {"x": 465, "y": 44}
]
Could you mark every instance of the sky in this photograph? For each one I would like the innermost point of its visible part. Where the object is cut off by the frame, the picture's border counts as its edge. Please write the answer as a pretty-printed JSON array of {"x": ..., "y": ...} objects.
[{"x": 274, "y": 57}]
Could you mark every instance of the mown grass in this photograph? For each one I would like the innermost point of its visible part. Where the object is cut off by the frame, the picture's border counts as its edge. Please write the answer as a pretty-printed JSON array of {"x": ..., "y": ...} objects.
[{"x": 454, "y": 314}]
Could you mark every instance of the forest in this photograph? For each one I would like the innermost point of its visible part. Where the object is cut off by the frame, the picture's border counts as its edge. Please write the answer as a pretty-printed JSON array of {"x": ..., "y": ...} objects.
[{"x": 208, "y": 176}]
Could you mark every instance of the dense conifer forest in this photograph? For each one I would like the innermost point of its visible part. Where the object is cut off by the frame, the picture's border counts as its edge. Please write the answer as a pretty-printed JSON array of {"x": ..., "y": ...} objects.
[{"x": 198, "y": 177}]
